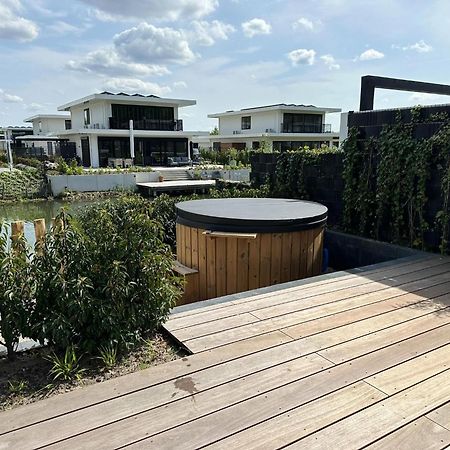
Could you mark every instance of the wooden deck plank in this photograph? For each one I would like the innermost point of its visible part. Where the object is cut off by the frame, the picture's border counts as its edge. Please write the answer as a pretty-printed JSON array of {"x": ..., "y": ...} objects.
[
  {"x": 420, "y": 434},
  {"x": 326, "y": 307},
  {"x": 401, "y": 330},
  {"x": 398, "y": 378},
  {"x": 288, "y": 426},
  {"x": 159, "y": 419},
  {"x": 274, "y": 395},
  {"x": 127, "y": 384},
  {"x": 382, "y": 418},
  {"x": 288, "y": 295},
  {"x": 264, "y": 406},
  {"x": 315, "y": 320},
  {"x": 441, "y": 416},
  {"x": 314, "y": 301},
  {"x": 371, "y": 272}
]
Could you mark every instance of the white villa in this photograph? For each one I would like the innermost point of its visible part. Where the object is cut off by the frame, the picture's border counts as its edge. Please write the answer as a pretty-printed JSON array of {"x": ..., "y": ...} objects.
[
  {"x": 100, "y": 129},
  {"x": 281, "y": 126}
]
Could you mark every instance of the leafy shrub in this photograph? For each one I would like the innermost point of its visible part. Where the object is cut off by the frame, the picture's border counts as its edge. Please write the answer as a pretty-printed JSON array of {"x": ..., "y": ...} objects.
[
  {"x": 224, "y": 157},
  {"x": 108, "y": 356},
  {"x": 19, "y": 184},
  {"x": 69, "y": 169},
  {"x": 16, "y": 292},
  {"x": 105, "y": 279}
]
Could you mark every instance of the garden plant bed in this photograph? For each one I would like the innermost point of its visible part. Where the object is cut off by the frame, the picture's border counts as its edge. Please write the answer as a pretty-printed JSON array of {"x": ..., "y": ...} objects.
[{"x": 27, "y": 379}]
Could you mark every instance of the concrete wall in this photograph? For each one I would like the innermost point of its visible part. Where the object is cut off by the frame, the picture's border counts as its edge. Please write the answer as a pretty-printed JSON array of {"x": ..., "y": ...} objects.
[{"x": 98, "y": 183}]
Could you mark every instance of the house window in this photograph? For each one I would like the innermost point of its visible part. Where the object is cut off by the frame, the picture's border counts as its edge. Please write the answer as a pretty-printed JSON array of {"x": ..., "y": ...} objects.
[
  {"x": 246, "y": 122},
  {"x": 68, "y": 124},
  {"x": 87, "y": 117},
  {"x": 40, "y": 126}
]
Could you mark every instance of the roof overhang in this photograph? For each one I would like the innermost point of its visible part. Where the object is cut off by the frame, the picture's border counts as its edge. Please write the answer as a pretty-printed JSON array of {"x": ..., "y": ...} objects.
[
  {"x": 287, "y": 108},
  {"x": 127, "y": 99},
  {"x": 47, "y": 116}
]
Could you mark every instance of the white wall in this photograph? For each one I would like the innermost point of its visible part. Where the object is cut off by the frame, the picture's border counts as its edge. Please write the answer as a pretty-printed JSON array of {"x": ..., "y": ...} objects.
[
  {"x": 343, "y": 130},
  {"x": 260, "y": 122},
  {"x": 49, "y": 126},
  {"x": 100, "y": 113}
]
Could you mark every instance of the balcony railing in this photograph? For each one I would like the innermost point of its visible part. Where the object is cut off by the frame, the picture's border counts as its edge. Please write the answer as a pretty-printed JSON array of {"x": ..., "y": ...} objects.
[
  {"x": 306, "y": 128},
  {"x": 147, "y": 124}
]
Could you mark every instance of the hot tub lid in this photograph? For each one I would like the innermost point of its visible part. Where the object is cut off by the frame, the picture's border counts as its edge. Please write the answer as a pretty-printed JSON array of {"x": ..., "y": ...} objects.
[{"x": 264, "y": 215}]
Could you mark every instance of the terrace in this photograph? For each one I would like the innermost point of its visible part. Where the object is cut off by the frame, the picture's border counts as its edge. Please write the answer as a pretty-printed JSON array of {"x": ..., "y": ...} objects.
[{"x": 351, "y": 359}]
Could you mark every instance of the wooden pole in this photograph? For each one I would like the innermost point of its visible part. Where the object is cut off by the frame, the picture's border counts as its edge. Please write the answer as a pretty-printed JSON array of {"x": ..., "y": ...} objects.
[
  {"x": 39, "y": 233},
  {"x": 17, "y": 230}
]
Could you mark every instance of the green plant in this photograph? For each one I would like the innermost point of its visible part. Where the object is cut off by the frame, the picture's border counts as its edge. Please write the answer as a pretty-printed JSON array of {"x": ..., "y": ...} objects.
[
  {"x": 292, "y": 168},
  {"x": 17, "y": 387},
  {"x": 71, "y": 168},
  {"x": 16, "y": 291},
  {"x": 106, "y": 277},
  {"x": 108, "y": 356},
  {"x": 386, "y": 182},
  {"x": 67, "y": 367}
]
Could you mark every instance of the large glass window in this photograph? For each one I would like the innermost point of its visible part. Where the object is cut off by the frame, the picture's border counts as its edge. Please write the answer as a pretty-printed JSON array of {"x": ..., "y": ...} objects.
[
  {"x": 246, "y": 122},
  {"x": 144, "y": 117},
  {"x": 302, "y": 123},
  {"x": 148, "y": 151},
  {"x": 68, "y": 124},
  {"x": 87, "y": 117}
]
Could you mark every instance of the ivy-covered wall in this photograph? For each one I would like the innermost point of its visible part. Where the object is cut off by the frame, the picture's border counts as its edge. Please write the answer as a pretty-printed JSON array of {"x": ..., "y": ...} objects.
[
  {"x": 390, "y": 181},
  {"x": 305, "y": 174}
]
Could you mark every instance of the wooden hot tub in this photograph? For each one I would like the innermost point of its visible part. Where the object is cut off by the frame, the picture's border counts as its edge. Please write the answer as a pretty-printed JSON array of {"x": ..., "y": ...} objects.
[{"x": 229, "y": 245}]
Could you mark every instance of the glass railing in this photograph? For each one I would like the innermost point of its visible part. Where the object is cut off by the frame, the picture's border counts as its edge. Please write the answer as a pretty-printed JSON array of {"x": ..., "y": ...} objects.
[
  {"x": 306, "y": 128},
  {"x": 147, "y": 124}
]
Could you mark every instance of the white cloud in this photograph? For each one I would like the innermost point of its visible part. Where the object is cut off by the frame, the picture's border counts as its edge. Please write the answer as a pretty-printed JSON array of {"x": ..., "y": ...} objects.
[
  {"x": 330, "y": 62},
  {"x": 370, "y": 54},
  {"x": 107, "y": 62},
  {"x": 256, "y": 26},
  {"x": 419, "y": 47},
  {"x": 146, "y": 42},
  {"x": 180, "y": 84},
  {"x": 207, "y": 33},
  {"x": 155, "y": 9},
  {"x": 134, "y": 85},
  {"x": 35, "y": 107},
  {"x": 61, "y": 27},
  {"x": 302, "y": 56},
  {"x": 9, "y": 98},
  {"x": 303, "y": 22},
  {"x": 12, "y": 25}
]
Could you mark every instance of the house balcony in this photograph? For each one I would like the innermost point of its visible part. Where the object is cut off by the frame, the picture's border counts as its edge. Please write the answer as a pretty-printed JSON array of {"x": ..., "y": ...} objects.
[
  {"x": 147, "y": 124},
  {"x": 306, "y": 128}
]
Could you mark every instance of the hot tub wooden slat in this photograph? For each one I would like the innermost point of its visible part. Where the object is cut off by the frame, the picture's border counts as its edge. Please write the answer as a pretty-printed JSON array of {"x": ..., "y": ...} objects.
[
  {"x": 231, "y": 265},
  {"x": 228, "y": 264},
  {"x": 203, "y": 292},
  {"x": 266, "y": 254},
  {"x": 221, "y": 269}
]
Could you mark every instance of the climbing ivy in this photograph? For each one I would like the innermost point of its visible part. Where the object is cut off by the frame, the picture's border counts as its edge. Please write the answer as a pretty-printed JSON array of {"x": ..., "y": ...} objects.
[
  {"x": 386, "y": 177},
  {"x": 291, "y": 170}
]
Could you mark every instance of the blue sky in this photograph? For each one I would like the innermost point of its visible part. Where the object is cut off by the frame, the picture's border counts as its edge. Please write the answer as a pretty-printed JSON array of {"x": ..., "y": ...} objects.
[{"x": 226, "y": 54}]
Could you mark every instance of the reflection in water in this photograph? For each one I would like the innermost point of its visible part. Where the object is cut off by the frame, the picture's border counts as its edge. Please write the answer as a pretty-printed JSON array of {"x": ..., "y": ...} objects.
[{"x": 29, "y": 211}]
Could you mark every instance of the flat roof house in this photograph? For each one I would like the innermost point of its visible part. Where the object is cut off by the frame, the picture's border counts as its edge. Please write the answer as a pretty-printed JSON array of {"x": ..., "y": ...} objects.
[
  {"x": 46, "y": 128},
  {"x": 281, "y": 126},
  {"x": 100, "y": 128}
]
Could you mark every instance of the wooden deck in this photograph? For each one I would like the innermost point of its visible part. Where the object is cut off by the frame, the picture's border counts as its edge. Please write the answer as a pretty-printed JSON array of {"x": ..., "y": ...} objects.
[
  {"x": 153, "y": 188},
  {"x": 343, "y": 361}
]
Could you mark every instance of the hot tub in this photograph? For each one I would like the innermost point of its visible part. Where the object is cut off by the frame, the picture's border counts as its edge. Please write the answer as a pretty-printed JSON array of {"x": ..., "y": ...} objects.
[{"x": 236, "y": 244}]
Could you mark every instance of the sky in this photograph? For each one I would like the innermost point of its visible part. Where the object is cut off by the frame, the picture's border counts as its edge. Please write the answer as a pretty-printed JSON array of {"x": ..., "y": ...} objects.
[{"x": 226, "y": 54}]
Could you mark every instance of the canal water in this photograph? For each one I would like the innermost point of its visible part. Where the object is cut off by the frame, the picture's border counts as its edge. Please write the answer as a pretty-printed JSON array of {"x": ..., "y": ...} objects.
[{"x": 29, "y": 211}]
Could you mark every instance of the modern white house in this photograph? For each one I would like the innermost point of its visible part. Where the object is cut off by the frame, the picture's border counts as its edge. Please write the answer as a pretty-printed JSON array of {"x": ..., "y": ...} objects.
[
  {"x": 46, "y": 128},
  {"x": 281, "y": 127},
  {"x": 100, "y": 129}
]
